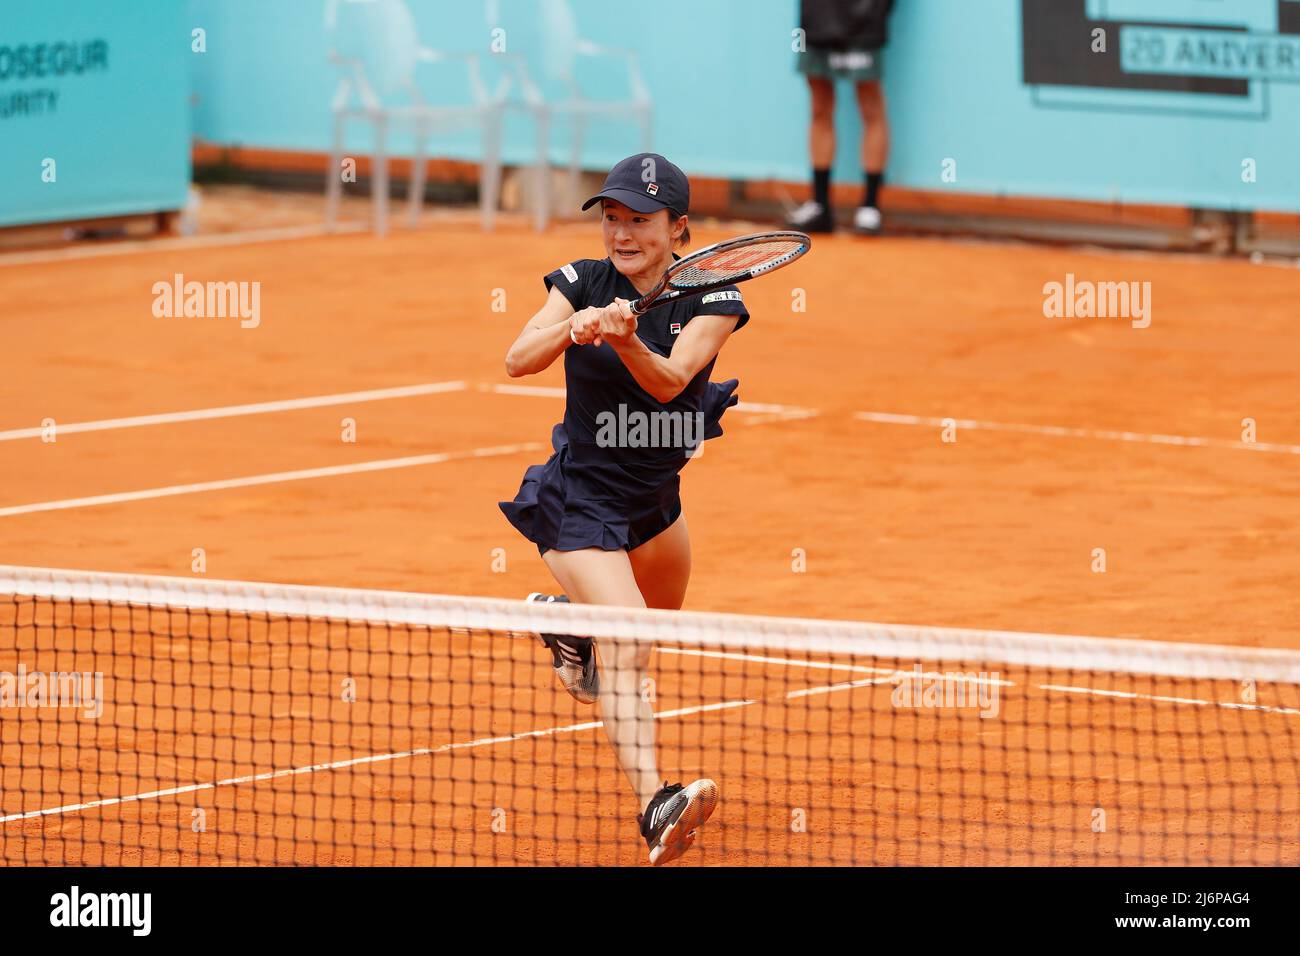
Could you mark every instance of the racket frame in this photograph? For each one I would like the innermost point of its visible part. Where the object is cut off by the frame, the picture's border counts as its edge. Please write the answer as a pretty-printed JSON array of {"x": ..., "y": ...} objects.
[{"x": 664, "y": 292}]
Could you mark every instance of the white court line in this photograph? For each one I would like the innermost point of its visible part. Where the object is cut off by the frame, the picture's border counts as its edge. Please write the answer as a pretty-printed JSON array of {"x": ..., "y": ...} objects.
[
  {"x": 1056, "y": 431},
  {"x": 385, "y": 464},
  {"x": 832, "y": 688},
  {"x": 535, "y": 391},
  {"x": 795, "y": 413},
  {"x": 135, "y": 246},
  {"x": 892, "y": 675},
  {"x": 233, "y": 411},
  {"x": 755, "y": 408},
  {"x": 766, "y": 408},
  {"x": 577, "y": 728},
  {"x": 1192, "y": 701},
  {"x": 779, "y": 661},
  {"x": 311, "y": 768},
  {"x": 356, "y": 762}
]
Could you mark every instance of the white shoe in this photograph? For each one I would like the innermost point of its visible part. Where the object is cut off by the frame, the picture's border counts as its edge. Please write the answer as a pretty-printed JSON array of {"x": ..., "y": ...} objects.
[
  {"x": 812, "y": 216},
  {"x": 867, "y": 221}
]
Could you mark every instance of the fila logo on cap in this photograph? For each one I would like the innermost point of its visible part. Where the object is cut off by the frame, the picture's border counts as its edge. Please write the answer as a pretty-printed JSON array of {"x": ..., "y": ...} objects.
[{"x": 652, "y": 189}]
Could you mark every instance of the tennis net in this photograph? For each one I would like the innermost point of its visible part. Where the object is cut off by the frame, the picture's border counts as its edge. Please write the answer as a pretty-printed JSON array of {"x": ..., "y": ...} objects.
[{"x": 175, "y": 721}]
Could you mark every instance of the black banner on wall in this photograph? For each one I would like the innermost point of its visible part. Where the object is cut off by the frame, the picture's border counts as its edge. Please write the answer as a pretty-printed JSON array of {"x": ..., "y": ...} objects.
[{"x": 1061, "y": 52}]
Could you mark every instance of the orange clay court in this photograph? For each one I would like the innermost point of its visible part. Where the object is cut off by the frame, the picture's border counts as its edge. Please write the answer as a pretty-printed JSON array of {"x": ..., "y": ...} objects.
[{"x": 838, "y": 457}]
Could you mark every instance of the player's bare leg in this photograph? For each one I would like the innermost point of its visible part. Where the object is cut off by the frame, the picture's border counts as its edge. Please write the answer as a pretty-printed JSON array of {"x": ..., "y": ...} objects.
[
  {"x": 672, "y": 813},
  {"x": 593, "y": 576},
  {"x": 662, "y": 567},
  {"x": 669, "y": 821}
]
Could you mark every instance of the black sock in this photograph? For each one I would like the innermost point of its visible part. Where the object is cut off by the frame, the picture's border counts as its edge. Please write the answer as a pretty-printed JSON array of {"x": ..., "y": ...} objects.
[
  {"x": 871, "y": 197},
  {"x": 822, "y": 187}
]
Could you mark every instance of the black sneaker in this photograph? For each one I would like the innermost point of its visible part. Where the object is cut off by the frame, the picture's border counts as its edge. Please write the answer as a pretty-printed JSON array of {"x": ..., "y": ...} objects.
[
  {"x": 573, "y": 658},
  {"x": 670, "y": 821},
  {"x": 812, "y": 216}
]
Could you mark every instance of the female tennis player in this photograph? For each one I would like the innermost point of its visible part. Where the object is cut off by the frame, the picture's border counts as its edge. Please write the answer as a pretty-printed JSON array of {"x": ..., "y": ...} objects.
[{"x": 605, "y": 511}]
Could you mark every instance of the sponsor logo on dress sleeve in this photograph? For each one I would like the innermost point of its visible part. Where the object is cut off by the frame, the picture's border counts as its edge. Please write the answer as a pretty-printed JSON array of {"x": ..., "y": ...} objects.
[
  {"x": 570, "y": 273},
  {"x": 675, "y": 328},
  {"x": 731, "y": 296}
]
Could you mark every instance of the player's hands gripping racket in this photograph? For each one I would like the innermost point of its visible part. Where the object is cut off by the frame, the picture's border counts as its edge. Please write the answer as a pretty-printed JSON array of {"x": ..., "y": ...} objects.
[{"x": 712, "y": 268}]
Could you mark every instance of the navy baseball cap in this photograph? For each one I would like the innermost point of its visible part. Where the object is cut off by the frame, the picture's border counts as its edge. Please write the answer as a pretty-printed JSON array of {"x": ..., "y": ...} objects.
[{"x": 646, "y": 182}]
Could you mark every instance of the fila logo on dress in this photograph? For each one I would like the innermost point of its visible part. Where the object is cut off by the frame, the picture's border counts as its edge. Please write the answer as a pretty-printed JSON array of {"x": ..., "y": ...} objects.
[{"x": 675, "y": 328}]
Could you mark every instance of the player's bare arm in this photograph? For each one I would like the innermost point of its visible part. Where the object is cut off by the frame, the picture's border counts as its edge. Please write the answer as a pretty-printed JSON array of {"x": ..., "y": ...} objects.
[
  {"x": 663, "y": 377},
  {"x": 546, "y": 335}
]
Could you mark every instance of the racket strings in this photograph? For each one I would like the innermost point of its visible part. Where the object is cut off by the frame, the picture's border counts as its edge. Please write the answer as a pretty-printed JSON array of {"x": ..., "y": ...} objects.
[{"x": 727, "y": 265}]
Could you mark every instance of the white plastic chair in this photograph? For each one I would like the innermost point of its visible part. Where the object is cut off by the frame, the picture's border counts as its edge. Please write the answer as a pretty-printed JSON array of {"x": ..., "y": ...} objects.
[
  {"x": 374, "y": 45},
  {"x": 562, "y": 46}
]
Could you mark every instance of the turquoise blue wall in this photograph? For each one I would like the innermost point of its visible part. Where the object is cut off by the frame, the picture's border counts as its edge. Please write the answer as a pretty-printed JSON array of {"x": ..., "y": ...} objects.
[
  {"x": 730, "y": 104},
  {"x": 722, "y": 74},
  {"x": 119, "y": 135}
]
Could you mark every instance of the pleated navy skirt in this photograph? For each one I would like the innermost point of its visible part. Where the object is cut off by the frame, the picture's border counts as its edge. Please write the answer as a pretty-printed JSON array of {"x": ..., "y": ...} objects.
[{"x": 586, "y": 496}]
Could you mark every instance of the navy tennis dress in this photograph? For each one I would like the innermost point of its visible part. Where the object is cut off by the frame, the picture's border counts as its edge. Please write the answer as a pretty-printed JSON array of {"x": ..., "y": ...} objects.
[{"x": 594, "y": 493}]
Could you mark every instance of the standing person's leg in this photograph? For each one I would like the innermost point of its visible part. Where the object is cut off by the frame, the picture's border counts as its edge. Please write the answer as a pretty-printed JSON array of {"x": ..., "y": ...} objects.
[
  {"x": 875, "y": 153},
  {"x": 815, "y": 215},
  {"x": 821, "y": 129},
  {"x": 875, "y": 126}
]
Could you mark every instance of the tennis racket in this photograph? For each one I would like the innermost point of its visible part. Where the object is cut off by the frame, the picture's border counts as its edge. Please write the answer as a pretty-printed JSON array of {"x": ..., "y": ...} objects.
[{"x": 724, "y": 264}]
